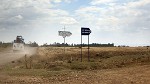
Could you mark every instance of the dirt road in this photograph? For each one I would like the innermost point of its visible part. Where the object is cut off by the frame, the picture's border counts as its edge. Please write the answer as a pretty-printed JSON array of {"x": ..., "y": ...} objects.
[{"x": 9, "y": 55}]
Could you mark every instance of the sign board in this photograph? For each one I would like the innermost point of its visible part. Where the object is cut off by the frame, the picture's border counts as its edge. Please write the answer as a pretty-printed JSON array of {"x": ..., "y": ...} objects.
[
  {"x": 64, "y": 33},
  {"x": 85, "y": 31}
]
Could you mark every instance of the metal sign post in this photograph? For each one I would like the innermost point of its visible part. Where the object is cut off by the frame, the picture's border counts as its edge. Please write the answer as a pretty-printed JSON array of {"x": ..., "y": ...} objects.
[
  {"x": 88, "y": 50},
  {"x": 85, "y": 31},
  {"x": 64, "y": 44},
  {"x": 81, "y": 47},
  {"x": 64, "y": 40},
  {"x": 64, "y": 34}
]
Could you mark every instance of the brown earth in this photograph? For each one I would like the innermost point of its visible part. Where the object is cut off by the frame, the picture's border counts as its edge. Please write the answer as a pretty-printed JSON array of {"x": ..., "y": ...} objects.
[{"x": 128, "y": 75}]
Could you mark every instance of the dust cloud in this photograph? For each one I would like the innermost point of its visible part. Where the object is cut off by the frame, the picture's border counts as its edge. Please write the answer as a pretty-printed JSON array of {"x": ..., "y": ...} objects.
[{"x": 8, "y": 55}]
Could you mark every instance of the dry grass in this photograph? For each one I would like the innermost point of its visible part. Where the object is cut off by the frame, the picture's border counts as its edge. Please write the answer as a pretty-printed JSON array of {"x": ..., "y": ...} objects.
[
  {"x": 113, "y": 65},
  {"x": 54, "y": 58}
]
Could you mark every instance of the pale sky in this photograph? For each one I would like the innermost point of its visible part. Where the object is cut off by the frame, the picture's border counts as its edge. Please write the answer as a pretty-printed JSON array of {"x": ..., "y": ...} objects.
[{"x": 122, "y": 22}]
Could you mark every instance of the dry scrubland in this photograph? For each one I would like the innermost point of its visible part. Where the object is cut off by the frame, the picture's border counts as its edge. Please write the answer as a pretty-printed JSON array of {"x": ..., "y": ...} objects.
[{"x": 113, "y": 65}]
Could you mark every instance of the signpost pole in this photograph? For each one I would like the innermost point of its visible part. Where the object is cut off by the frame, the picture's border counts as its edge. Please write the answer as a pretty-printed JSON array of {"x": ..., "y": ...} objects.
[
  {"x": 64, "y": 40},
  {"x": 88, "y": 50},
  {"x": 85, "y": 31},
  {"x": 64, "y": 34},
  {"x": 64, "y": 45},
  {"x": 81, "y": 48}
]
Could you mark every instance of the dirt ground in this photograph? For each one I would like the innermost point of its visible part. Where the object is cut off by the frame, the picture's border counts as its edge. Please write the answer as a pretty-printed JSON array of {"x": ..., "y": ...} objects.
[{"x": 127, "y": 75}]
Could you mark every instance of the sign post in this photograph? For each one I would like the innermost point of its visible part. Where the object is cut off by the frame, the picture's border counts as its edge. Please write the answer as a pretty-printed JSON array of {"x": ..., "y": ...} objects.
[
  {"x": 88, "y": 50},
  {"x": 64, "y": 34},
  {"x": 81, "y": 47},
  {"x": 85, "y": 31}
]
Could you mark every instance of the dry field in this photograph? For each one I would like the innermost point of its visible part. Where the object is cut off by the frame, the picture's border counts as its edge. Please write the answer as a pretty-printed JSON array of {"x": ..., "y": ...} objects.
[{"x": 108, "y": 65}]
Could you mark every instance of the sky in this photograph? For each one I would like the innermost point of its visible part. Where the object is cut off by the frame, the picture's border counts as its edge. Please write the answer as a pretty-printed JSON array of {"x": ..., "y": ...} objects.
[{"x": 122, "y": 22}]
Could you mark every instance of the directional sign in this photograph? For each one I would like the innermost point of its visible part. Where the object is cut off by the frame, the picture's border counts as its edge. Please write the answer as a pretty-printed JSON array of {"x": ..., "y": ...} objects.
[
  {"x": 64, "y": 33},
  {"x": 85, "y": 31}
]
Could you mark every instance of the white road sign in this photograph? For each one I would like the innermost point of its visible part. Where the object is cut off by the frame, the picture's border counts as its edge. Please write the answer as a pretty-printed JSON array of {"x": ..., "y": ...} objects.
[{"x": 64, "y": 33}]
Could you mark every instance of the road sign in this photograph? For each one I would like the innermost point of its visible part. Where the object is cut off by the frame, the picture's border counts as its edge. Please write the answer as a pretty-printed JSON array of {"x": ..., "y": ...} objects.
[
  {"x": 64, "y": 33},
  {"x": 85, "y": 31}
]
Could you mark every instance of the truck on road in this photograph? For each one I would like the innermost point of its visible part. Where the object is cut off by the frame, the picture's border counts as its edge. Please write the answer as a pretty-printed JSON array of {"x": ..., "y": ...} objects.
[{"x": 18, "y": 44}]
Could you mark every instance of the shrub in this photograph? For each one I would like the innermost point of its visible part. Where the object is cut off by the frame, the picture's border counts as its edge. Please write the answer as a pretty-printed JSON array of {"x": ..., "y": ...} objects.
[
  {"x": 94, "y": 66},
  {"x": 78, "y": 66}
]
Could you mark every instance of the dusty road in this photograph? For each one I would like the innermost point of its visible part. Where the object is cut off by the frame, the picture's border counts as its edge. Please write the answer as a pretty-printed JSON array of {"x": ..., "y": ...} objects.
[{"x": 9, "y": 55}]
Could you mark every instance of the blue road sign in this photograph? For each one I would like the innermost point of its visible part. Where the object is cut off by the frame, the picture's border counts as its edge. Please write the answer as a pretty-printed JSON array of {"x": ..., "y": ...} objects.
[{"x": 85, "y": 31}]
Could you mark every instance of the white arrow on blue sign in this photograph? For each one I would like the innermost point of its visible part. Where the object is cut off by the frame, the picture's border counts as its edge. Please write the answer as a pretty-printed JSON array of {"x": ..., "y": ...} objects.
[{"x": 85, "y": 31}]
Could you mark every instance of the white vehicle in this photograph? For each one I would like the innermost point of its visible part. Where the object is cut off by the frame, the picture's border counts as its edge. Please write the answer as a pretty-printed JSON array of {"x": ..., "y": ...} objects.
[{"x": 18, "y": 44}]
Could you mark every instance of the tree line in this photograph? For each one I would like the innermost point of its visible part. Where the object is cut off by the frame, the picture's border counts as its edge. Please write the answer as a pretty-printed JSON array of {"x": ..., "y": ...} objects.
[
  {"x": 78, "y": 45},
  {"x": 56, "y": 44}
]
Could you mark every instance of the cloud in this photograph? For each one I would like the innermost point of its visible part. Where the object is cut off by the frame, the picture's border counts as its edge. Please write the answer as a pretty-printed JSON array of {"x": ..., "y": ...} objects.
[
  {"x": 26, "y": 13},
  {"x": 56, "y": 1},
  {"x": 13, "y": 4},
  {"x": 2, "y": 29},
  {"x": 102, "y": 16},
  {"x": 68, "y": 21},
  {"x": 18, "y": 17},
  {"x": 59, "y": 1},
  {"x": 97, "y": 2},
  {"x": 139, "y": 3},
  {"x": 129, "y": 17},
  {"x": 20, "y": 12},
  {"x": 57, "y": 12},
  {"x": 89, "y": 9}
]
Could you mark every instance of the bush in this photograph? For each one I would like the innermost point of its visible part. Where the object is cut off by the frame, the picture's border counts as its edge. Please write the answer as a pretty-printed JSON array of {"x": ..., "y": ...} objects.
[
  {"x": 85, "y": 65},
  {"x": 94, "y": 66},
  {"x": 57, "y": 68},
  {"x": 78, "y": 66}
]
